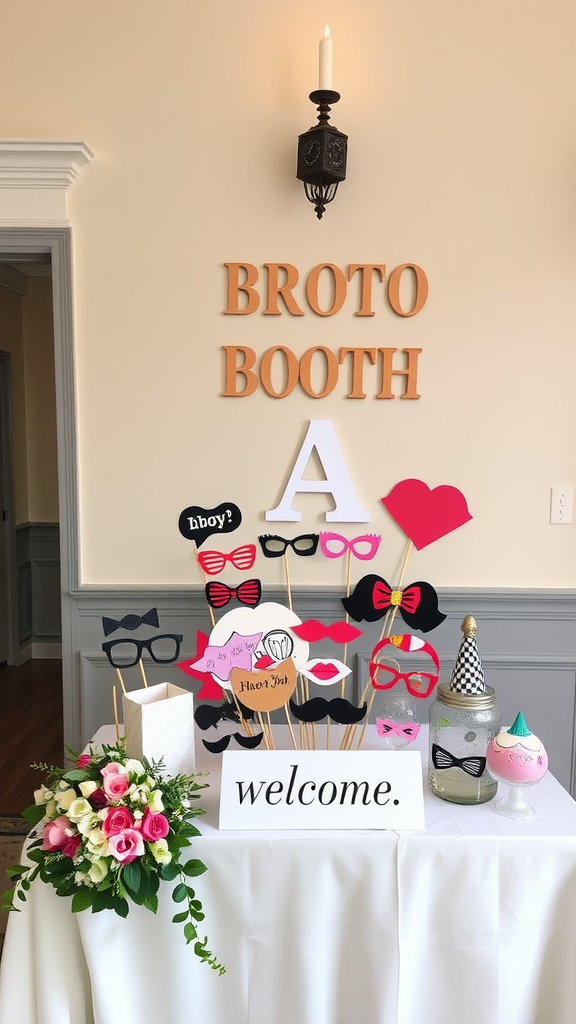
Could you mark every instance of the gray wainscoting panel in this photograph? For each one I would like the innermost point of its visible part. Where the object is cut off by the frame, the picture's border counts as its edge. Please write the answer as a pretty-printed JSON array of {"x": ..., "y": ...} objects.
[
  {"x": 526, "y": 638},
  {"x": 39, "y": 589}
]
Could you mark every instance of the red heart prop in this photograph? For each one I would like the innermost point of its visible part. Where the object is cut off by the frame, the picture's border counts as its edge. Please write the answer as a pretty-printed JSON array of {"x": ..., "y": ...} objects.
[{"x": 426, "y": 515}]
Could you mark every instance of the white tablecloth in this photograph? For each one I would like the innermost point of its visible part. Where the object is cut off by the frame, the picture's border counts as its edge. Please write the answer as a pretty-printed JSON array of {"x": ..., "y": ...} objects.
[{"x": 472, "y": 921}]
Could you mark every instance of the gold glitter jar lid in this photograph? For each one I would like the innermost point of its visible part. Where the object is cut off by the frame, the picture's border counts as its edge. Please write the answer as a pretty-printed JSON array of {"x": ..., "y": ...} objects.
[{"x": 472, "y": 701}]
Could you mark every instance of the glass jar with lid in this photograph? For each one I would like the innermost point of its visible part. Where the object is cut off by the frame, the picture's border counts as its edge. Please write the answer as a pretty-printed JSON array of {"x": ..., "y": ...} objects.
[{"x": 463, "y": 719}]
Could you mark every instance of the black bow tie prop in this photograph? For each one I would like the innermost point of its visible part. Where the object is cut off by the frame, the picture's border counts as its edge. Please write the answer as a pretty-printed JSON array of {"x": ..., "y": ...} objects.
[
  {"x": 130, "y": 621},
  {"x": 444, "y": 759}
]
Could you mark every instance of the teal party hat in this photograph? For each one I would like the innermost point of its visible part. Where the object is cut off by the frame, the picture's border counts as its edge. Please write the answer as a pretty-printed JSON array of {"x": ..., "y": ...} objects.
[{"x": 519, "y": 727}]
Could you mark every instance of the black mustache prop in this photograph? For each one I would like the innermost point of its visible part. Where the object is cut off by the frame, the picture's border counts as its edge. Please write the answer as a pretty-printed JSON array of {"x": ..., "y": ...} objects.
[
  {"x": 338, "y": 709},
  {"x": 249, "y": 742},
  {"x": 206, "y": 715}
]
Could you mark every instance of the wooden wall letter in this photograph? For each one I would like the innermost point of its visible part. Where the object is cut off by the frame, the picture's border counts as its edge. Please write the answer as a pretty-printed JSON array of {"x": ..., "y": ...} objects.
[{"x": 410, "y": 372}]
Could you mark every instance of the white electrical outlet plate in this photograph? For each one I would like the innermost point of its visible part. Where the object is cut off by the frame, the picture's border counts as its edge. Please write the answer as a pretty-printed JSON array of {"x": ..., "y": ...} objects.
[{"x": 561, "y": 506}]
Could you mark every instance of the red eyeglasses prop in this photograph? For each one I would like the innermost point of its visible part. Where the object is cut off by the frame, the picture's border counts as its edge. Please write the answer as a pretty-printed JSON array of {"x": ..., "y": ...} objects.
[
  {"x": 384, "y": 677},
  {"x": 213, "y": 562}
]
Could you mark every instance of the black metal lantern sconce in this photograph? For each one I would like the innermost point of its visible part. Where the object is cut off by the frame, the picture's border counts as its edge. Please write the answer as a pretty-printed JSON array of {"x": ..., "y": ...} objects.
[{"x": 322, "y": 150}]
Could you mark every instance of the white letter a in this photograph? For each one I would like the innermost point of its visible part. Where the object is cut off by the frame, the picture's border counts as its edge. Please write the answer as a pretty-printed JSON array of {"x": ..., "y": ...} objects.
[{"x": 322, "y": 437}]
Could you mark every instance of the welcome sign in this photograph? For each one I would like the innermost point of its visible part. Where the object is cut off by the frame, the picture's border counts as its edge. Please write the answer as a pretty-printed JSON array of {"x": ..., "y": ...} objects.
[{"x": 321, "y": 789}]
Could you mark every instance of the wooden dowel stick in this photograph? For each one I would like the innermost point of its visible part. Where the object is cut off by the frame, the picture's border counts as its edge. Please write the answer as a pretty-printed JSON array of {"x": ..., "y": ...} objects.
[
  {"x": 144, "y": 680},
  {"x": 115, "y": 703},
  {"x": 203, "y": 575},
  {"x": 290, "y": 727},
  {"x": 270, "y": 734},
  {"x": 263, "y": 727},
  {"x": 119, "y": 674},
  {"x": 288, "y": 587}
]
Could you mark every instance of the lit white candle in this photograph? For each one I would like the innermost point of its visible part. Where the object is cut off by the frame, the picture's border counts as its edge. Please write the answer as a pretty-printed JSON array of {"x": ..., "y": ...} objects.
[{"x": 326, "y": 60}]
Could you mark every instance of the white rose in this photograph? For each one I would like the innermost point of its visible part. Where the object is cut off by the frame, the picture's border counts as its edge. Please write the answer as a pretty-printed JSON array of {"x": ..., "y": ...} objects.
[
  {"x": 88, "y": 824},
  {"x": 79, "y": 809},
  {"x": 138, "y": 794},
  {"x": 160, "y": 851},
  {"x": 42, "y": 795},
  {"x": 87, "y": 788},
  {"x": 134, "y": 767},
  {"x": 98, "y": 871},
  {"x": 51, "y": 809},
  {"x": 155, "y": 802},
  {"x": 65, "y": 799},
  {"x": 97, "y": 843}
]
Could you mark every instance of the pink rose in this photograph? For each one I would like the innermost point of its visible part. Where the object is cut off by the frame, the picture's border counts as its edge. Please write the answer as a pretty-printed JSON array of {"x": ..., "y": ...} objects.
[
  {"x": 115, "y": 785},
  {"x": 126, "y": 846},
  {"x": 154, "y": 826},
  {"x": 56, "y": 833},
  {"x": 113, "y": 768},
  {"x": 71, "y": 846},
  {"x": 116, "y": 820},
  {"x": 83, "y": 760}
]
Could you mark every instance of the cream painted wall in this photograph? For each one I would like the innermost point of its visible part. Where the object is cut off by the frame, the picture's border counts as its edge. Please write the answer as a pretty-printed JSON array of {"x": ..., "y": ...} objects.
[
  {"x": 40, "y": 401},
  {"x": 462, "y": 125}
]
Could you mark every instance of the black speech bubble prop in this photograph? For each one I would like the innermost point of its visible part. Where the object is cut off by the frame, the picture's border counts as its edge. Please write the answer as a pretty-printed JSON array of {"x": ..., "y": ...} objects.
[{"x": 197, "y": 523}]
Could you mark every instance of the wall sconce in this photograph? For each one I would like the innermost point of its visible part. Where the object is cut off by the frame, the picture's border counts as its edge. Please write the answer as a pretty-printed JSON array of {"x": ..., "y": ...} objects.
[{"x": 322, "y": 150}]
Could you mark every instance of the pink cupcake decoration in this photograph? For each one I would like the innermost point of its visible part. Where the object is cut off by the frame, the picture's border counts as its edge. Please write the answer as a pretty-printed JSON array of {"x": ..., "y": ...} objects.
[
  {"x": 516, "y": 754},
  {"x": 518, "y": 757}
]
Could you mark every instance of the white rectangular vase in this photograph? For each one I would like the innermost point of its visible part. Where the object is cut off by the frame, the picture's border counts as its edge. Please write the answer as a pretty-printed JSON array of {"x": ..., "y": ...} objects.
[{"x": 159, "y": 725}]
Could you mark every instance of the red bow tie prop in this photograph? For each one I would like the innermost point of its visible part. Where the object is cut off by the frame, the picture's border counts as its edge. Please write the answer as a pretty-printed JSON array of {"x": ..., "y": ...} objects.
[
  {"x": 218, "y": 594},
  {"x": 373, "y": 596},
  {"x": 383, "y": 597}
]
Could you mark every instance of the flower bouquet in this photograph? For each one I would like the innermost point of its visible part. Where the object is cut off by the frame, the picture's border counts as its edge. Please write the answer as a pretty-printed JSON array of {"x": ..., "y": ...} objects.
[{"x": 111, "y": 828}]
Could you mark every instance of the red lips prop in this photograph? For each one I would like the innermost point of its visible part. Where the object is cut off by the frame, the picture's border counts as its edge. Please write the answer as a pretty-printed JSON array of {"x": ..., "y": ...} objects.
[
  {"x": 313, "y": 630},
  {"x": 425, "y": 515}
]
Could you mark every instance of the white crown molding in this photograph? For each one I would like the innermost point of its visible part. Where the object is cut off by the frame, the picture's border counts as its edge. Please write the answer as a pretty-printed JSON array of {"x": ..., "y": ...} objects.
[{"x": 35, "y": 175}]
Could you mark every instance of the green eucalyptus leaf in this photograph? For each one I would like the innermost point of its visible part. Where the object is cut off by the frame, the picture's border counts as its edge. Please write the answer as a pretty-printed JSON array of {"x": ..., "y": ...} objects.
[
  {"x": 190, "y": 932},
  {"x": 82, "y": 899},
  {"x": 33, "y": 814},
  {"x": 151, "y": 902},
  {"x": 121, "y": 907},
  {"x": 37, "y": 856},
  {"x": 133, "y": 876},
  {"x": 179, "y": 893},
  {"x": 169, "y": 871},
  {"x": 76, "y": 775},
  {"x": 16, "y": 871},
  {"x": 192, "y": 868}
]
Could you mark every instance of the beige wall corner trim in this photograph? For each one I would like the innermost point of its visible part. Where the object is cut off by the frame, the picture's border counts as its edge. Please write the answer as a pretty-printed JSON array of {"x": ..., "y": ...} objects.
[{"x": 35, "y": 175}]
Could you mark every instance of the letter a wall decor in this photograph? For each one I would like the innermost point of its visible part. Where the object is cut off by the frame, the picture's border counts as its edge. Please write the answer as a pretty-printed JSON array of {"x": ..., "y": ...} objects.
[{"x": 321, "y": 436}]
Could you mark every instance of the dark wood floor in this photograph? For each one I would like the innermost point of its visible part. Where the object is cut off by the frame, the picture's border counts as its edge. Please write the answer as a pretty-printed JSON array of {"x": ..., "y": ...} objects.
[{"x": 30, "y": 729}]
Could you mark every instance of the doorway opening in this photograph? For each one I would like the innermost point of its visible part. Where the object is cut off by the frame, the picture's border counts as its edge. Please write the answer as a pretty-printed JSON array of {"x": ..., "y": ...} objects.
[
  {"x": 48, "y": 250},
  {"x": 29, "y": 516}
]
